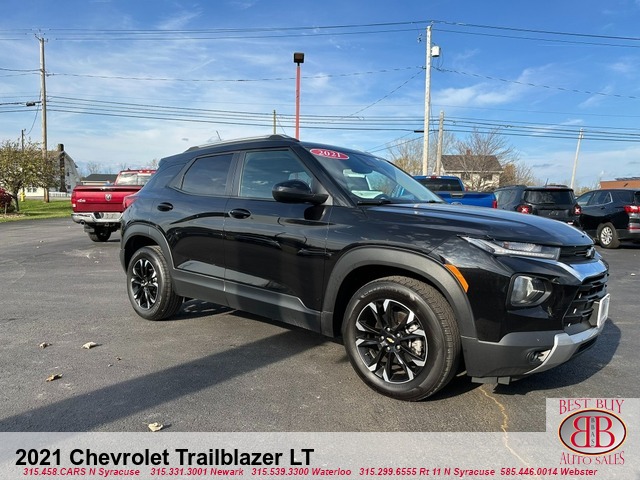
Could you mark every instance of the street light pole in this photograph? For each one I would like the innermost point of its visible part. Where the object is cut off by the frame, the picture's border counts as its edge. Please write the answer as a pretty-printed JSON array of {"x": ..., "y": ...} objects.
[
  {"x": 298, "y": 58},
  {"x": 575, "y": 160}
]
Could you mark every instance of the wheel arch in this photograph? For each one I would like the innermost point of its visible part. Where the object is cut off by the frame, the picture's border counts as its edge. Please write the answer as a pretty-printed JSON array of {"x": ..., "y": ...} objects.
[
  {"x": 364, "y": 264},
  {"x": 140, "y": 235}
]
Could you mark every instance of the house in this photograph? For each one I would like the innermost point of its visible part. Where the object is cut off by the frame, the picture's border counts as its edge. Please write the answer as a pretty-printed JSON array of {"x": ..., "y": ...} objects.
[
  {"x": 71, "y": 177},
  {"x": 478, "y": 172},
  {"x": 627, "y": 182}
]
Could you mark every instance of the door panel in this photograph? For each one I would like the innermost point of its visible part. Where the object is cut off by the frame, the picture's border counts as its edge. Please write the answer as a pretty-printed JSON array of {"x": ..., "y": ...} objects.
[{"x": 274, "y": 252}]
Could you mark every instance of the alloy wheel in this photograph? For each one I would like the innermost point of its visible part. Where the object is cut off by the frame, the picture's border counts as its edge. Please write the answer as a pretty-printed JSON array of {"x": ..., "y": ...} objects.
[
  {"x": 391, "y": 341},
  {"x": 144, "y": 283}
]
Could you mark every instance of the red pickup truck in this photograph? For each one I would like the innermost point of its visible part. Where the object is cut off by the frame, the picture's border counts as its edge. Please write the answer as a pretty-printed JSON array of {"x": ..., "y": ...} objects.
[{"x": 99, "y": 207}]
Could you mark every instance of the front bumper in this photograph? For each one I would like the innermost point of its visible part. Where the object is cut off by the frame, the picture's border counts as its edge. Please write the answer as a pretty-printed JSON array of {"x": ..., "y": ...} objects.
[{"x": 521, "y": 354}]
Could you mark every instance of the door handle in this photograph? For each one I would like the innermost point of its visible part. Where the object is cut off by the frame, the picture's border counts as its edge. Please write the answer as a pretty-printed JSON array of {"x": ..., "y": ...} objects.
[
  {"x": 164, "y": 206},
  {"x": 239, "y": 213}
]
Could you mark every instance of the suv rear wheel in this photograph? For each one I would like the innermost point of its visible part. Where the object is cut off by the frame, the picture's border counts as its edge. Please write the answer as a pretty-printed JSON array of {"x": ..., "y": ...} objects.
[
  {"x": 607, "y": 236},
  {"x": 402, "y": 338},
  {"x": 149, "y": 285}
]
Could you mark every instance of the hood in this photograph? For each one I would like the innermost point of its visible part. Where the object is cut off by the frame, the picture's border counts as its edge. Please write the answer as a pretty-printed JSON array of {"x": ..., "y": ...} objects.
[{"x": 481, "y": 222}]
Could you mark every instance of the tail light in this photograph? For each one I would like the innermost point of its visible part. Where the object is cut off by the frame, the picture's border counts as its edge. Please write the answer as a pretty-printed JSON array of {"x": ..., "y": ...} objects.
[
  {"x": 632, "y": 208},
  {"x": 577, "y": 210},
  {"x": 494, "y": 204},
  {"x": 128, "y": 201},
  {"x": 523, "y": 209}
]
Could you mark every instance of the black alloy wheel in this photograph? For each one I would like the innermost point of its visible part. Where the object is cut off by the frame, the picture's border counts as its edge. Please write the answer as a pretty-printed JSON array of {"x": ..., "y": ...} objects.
[
  {"x": 149, "y": 285},
  {"x": 402, "y": 338}
]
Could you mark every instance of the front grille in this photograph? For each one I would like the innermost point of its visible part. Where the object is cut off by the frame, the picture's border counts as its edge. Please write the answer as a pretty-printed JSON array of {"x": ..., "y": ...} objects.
[
  {"x": 582, "y": 252},
  {"x": 581, "y": 307}
]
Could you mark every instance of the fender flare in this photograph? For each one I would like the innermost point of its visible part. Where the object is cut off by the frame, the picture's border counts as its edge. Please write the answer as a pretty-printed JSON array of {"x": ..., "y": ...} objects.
[
  {"x": 146, "y": 231},
  {"x": 419, "y": 266}
]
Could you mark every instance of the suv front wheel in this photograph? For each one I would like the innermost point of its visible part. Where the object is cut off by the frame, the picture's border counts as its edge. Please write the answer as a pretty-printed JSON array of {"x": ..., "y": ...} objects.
[
  {"x": 149, "y": 285},
  {"x": 402, "y": 338},
  {"x": 607, "y": 236}
]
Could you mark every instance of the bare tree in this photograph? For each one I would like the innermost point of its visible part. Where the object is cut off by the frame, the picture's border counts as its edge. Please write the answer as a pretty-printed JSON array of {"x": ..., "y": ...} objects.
[
  {"x": 517, "y": 173},
  {"x": 407, "y": 155},
  {"x": 481, "y": 156},
  {"x": 92, "y": 167}
]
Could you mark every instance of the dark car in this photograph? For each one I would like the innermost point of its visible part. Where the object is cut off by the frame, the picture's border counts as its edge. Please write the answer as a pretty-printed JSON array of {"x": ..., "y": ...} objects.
[
  {"x": 552, "y": 201},
  {"x": 344, "y": 243},
  {"x": 611, "y": 215}
]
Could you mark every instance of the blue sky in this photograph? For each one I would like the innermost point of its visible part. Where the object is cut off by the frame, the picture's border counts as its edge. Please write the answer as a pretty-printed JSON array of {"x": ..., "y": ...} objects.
[{"x": 123, "y": 76}]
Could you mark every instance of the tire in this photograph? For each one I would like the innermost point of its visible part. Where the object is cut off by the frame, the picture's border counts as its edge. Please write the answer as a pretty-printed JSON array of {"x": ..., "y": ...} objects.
[
  {"x": 402, "y": 338},
  {"x": 607, "y": 236},
  {"x": 100, "y": 234},
  {"x": 149, "y": 285}
]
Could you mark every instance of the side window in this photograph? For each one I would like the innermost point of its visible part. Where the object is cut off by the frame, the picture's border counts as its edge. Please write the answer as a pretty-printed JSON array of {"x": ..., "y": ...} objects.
[
  {"x": 600, "y": 198},
  {"x": 584, "y": 199},
  {"x": 208, "y": 175},
  {"x": 622, "y": 196},
  {"x": 263, "y": 169}
]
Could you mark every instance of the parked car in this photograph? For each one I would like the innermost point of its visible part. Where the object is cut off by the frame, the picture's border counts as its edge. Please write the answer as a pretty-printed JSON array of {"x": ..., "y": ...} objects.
[
  {"x": 99, "y": 207},
  {"x": 552, "y": 201},
  {"x": 611, "y": 215},
  {"x": 452, "y": 190},
  {"x": 415, "y": 286}
]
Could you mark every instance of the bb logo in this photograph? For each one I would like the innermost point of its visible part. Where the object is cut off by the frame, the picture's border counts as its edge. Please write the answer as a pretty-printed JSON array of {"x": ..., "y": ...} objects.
[{"x": 592, "y": 432}]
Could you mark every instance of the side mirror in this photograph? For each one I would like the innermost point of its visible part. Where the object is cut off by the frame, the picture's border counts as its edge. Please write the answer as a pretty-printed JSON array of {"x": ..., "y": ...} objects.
[{"x": 297, "y": 191}]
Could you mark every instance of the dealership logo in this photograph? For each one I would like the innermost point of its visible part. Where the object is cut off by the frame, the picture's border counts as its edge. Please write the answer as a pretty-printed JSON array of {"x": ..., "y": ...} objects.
[{"x": 592, "y": 432}]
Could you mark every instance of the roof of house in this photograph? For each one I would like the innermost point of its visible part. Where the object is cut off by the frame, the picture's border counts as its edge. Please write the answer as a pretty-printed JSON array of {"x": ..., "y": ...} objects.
[{"x": 466, "y": 163}]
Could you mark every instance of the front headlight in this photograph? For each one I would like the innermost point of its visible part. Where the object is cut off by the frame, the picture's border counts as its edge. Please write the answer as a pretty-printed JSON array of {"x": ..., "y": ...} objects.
[
  {"x": 505, "y": 247},
  {"x": 528, "y": 291}
]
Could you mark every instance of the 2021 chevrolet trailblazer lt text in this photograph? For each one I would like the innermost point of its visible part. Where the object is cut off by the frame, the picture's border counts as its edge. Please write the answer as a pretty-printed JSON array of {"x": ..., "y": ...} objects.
[{"x": 344, "y": 243}]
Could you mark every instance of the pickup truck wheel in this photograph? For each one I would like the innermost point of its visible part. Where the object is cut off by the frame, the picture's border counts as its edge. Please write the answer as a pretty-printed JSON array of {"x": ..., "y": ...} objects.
[
  {"x": 149, "y": 285},
  {"x": 402, "y": 338},
  {"x": 100, "y": 234},
  {"x": 607, "y": 236}
]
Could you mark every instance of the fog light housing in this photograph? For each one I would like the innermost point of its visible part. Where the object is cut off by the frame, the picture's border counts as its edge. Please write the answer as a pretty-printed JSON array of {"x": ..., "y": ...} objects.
[{"x": 527, "y": 291}]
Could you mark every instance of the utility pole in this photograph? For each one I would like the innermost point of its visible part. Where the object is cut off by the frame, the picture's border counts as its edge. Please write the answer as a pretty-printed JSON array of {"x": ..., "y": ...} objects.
[
  {"x": 43, "y": 89},
  {"x": 298, "y": 58},
  {"x": 432, "y": 51},
  {"x": 575, "y": 160},
  {"x": 440, "y": 137},
  {"x": 427, "y": 107},
  {"x": 274, "y": 122}
]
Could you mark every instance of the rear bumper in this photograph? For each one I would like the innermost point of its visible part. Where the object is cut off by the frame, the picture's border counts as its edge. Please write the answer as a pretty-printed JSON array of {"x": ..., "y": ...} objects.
[{"x": 99, "y": 218}]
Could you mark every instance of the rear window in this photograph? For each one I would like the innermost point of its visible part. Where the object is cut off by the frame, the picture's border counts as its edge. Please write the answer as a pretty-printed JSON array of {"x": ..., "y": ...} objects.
[
  {"x": 549, "y": 197},
  {"x": 441, "y": 184}
]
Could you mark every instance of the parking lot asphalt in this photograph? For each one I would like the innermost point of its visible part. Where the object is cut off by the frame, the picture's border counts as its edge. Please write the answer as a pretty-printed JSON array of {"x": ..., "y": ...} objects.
[{"x": 212, "y": 369}]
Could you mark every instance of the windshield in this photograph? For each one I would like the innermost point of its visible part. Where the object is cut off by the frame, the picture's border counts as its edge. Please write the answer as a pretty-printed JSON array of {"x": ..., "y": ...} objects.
[
  {"x": 370, "y": 179},
  {"x": 133, "y": 178}
]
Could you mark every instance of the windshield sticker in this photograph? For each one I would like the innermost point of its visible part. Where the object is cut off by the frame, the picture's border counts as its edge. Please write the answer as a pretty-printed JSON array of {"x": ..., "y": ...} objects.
[{"x": 329, "y": 153}]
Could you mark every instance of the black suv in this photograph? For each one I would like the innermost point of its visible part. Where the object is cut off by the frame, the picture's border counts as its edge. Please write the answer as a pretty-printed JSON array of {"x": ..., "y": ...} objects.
[
  {"x": 611, "y": 215},
  {"x": 344, "y": 243},
  {"x": 552, "y": 201}
]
